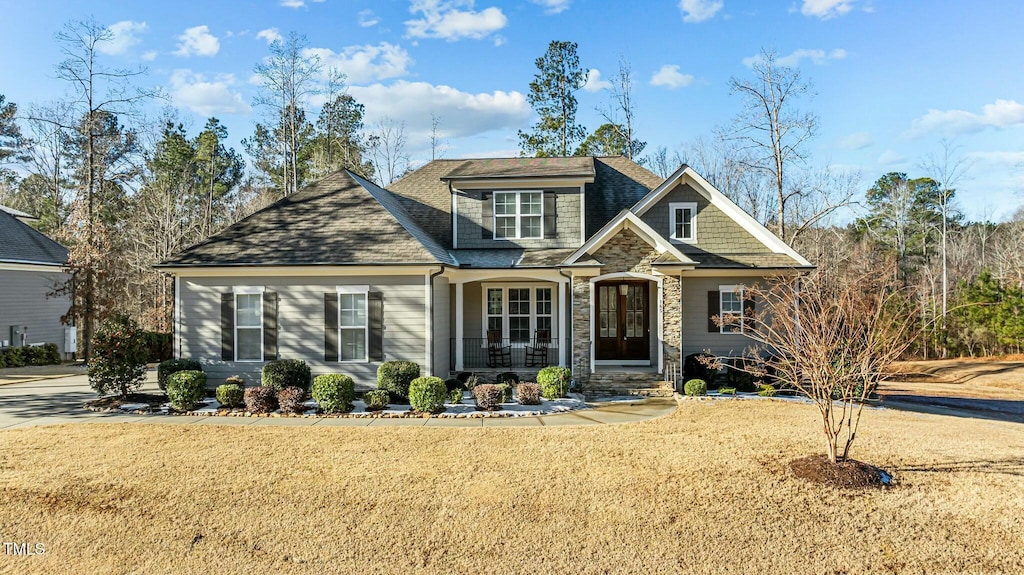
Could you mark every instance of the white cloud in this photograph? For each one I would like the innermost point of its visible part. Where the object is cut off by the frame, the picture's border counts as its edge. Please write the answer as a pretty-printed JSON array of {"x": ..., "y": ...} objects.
[
  {"x": 123, "y": 36},
  {"x": 670, "y": 77},
  {"x": 206, "y": 97},
  {"x": 1000, "y": 114},
  {"x": 197, "y": 41},
  {"x": 296, "y": 3},
  {"x": 444, "y": 19},
  {"x": 148, "y": 56},
  {"x": 855, "y": 141},
  {"x": 793, "y": 59},
  {"x": 1002, "y": 159},
  {"x": 270, "y": 35},
  {"x": 891, "y": 158},
  {"x": 553, "y": 6},
  {"x": 595, "y": 83},
  {"x": 367, "y": 18},
  {"x": 699, "y": 10},
  {"x": 826, "y": 9},
  {"x": 367, "y": 63},
  {"x": 462, "y": 114}
]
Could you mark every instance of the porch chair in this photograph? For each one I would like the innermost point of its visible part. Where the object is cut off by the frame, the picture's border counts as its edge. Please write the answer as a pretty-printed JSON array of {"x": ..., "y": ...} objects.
[
  {"x": 497, "y": 351},
  {"x": 537, "y": 351}
]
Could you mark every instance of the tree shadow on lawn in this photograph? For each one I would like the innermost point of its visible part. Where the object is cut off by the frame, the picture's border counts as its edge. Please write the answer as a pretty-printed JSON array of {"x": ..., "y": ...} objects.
[
  {"x": 996, "y": 409},
  {"x": 31, "y": 401},
  {"x": 1010, "y": 466}
]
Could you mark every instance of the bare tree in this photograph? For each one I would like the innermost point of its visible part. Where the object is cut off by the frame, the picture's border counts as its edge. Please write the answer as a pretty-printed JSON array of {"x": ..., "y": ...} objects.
[
  {"x": 436, "y": 145},
  {"x": 387, "y": 146},
  {"x": 621, "y": 113}
]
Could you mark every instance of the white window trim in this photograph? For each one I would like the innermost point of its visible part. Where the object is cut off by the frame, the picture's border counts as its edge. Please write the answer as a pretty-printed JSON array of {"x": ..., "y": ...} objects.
[
  {"x": 672, "y": 207},
  {"x": 533, "y": 309},
  {"x": 349, "y": 290},
  {"x": 247, "y": 290},
  {"x": 518, "y": 216},
  {"x": 737, "y": 289}
]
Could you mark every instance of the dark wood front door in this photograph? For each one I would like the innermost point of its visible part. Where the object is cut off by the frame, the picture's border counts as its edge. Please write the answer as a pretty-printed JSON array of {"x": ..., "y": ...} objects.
[{"x": 622, "y": 314}]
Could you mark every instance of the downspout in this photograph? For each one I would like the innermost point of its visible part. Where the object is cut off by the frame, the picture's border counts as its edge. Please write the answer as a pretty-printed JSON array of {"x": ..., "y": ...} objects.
[{"x": 429, "y": 356}]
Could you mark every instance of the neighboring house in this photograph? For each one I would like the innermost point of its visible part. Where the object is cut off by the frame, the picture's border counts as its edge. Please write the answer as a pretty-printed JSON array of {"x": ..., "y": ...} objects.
[
  {"x": 465, "y": 265},
  {"x": 31, "y": 270}
]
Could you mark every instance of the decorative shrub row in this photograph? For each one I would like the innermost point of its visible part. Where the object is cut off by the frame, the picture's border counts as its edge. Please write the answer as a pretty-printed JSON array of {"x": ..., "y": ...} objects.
[
  {"x": 185, "y": 389},
  {"x": 334, "y": 392},
  {"x": 488, "y": 396},
  {"x": 166, "y": 368},
  {"x": 230, "y": 395},
  {"x": 427, "y": 394},
  {"x": 47, "y": 354},
  {"x": 291, "y": 399},
  {"x": 260, "y": 399}
]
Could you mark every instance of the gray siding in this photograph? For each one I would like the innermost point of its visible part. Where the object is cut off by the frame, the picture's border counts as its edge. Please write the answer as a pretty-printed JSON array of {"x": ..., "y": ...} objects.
[
  {"x": 442, "y": 328},
  {"x": 301, "y": 323},
  {"x": 24, "y": 301},
  {"x": 567, "y": 206},
  {"x": 696, "y": 337},
  {"x": 717, "y": 233}
]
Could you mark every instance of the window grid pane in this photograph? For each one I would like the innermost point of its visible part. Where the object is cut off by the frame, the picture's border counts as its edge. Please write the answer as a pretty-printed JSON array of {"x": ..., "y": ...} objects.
[
  {"x": 505, "y": 204},
  {"x": 679, "y": 223},
  {"x": 352, "y": 344},
  {"x": 505, "y": 227},
  {"x": 543, "y": 301},
  {"x": 530, "y": 204},
  {"x": 352, "y": 309},
  {"x": 531, "y": 227},
  {"x": 247, "y": 310},
  {"x": 249, "y": 343}
]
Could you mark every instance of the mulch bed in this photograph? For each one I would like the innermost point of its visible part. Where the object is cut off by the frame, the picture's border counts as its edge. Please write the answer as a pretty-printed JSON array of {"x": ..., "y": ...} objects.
[
  {"x": 155, "y": 400},
  {"x": 849, "y": 474}
]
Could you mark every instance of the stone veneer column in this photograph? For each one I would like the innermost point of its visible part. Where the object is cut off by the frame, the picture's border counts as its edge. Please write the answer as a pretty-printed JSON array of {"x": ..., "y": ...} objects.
[
  {"x": 672, "y": 314},
  {"x": 581, "y": 311}
]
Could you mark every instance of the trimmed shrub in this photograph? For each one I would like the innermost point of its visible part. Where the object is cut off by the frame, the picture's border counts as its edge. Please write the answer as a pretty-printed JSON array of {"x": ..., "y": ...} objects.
[
  {"x": 488, "y": 397},
  {"x": 427, "y": 394},
  {"x": 507, "y": 377},
  {"x": 528, "y": 393},
  {"x": 46, "y": 354},
  {"x": 283, "y": 373},
  {"x": 554, "y": 381},
  {"x": 766, "y": 390},
  {"x": 260, "y": 399},
  {"x": 453, "y": 384},
  {"x": 455, "y": 396},
  {"x": 334, "y": 392},
  {"x": 185, "y": 389},
  {"x": 230, "y": 395},
  {"x": 376, "y": 400},
  {"x": 700, "y": 366},
  {"x": 727, "y": 390},
  {"x": 166, "y": 368},
  {"x": 235, "y": 380},
  {"x": 290, "y": 399},
  {"x": 118, "y": 362},
  {"x": 395, "y": 377},
  {"x": 695, "y": 387}
]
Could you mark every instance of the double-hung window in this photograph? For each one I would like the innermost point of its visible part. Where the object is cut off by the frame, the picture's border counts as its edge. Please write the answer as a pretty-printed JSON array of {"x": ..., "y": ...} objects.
[
  {"x": 518, "y": 215},
  {"x": 731, "y": 309},
  {"x": 352, "y": 330},
  {"x": 248, "y": 324},
  {"x": 683, "y": 221},
  {"x": 517, "y": 311}
]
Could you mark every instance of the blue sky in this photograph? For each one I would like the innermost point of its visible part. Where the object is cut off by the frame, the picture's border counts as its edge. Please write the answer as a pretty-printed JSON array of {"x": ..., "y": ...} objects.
[{"x": 892, "y": 79}]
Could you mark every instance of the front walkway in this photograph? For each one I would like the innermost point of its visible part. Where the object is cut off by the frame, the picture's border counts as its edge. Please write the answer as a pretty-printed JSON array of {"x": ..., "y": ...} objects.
[{"x": 57, "y": 401}]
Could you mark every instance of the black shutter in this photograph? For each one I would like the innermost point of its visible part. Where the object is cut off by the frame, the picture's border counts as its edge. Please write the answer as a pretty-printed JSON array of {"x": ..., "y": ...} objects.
[
  {"x": 330, "y": 327},
  {"x": 550, "y": 216},
  {"x": 269, "y": 326},
  {"x": 714, "y": 309},
  {"x": 486, "y": 216},
  {"x": 227, "y": 326},
  {"x": 749, "y": 307},
  {"x": 375, "y": 313}
]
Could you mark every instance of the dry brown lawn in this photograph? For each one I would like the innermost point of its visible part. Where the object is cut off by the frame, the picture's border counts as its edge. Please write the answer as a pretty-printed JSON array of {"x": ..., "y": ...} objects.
[{"x": 706, "y": 490}]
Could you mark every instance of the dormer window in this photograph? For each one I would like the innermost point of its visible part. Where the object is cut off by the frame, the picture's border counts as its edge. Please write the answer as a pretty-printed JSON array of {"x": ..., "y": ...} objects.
[
  {"x": 518, "y": 215},
  {"x": 683, "y": 222}
]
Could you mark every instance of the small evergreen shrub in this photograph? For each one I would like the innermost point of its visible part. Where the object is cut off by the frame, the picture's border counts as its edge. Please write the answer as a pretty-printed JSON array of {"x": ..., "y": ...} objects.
[
  {"x": 166, "y": 368},
  {"x": 554, "y": 381},
  {"x": 334, "y": 392},
  {"x": 427, "y": 394},
  {"x": 700, "y": 366},
  {"x": 767, "y": 391},
  {"x": 695, "y": 387},
  {"x": 283, "y": 373},
  {"x": 727, "y": 390},
  {"x": 185, "y": 389},
  {"x": 50, "y": 355},
  {"x": 455, "y": 396},
  {"x": 376, "y": 400},
  {"x": 291, "y": 399},
  {"x": 230, "y": 395},
  {"x": 472, "y": 381},
  {"x": 528, "y": 393},
  {"x": 506, "y": 392},
  {"x": 118, "y": 362},
  {"x": 507, "y": 377},
  {"x": 395, "y": 377},
  {"x": 454, "y": 383},
  {"x": 488, "y": 397},
  {"x": 260, "y": 399},
  {"x": 235, "y": 380}
]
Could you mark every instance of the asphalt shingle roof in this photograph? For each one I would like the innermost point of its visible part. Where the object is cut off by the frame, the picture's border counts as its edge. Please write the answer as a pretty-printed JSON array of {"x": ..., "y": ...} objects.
[
  {"x": 581, "y": 166},
  {"x": 511, "y": 258},
  {"x": 21, "y": 243}
]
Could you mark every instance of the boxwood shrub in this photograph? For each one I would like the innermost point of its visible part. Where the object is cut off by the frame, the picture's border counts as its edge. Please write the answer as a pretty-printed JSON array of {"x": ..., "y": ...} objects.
[
  {"x": 695, "y": 387},
  {"x": 46, "y": 354},
  {"x": 334, "y": 392},
  {"x": 376, "y": 400},
  {"x": 455, "y": 396},
  {"x": 427, "y": 394},
  {"x": 260, "y": 399},
  {"x": 230, "y": 395},
  {"x": 488, "y": 397},
  {"x": 528, "y": 393},
  {"x": 185, "y": 389},
  {"x": 166, "y": 368},
  {"x": 554, "y": 381},
  {"x": 283, "y": 373},
  {"x": 395, "y": 377}
]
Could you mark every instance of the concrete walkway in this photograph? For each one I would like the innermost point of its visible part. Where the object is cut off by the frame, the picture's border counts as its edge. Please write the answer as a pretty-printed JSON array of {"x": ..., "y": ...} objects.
[{"x": 58, "y": 401}]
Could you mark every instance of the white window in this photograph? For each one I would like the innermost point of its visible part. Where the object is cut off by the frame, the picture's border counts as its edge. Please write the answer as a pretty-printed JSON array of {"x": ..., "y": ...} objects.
[
  {"x": 682, "y": 218},
  {"x": 731, "y": 308},
  {"x": 518, "y": 215},
  {"x": 353, "y": 335},
  {"x": 517, "y": 311},
  {"x": 248, "y": 324}
]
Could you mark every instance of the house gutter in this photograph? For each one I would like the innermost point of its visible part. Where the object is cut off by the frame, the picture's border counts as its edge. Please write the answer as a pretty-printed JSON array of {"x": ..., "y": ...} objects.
[{"x": 429, "y": 351}]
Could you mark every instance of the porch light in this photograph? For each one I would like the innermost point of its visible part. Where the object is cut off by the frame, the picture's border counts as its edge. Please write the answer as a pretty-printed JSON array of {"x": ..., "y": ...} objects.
[{"x": 623, "y": 288}]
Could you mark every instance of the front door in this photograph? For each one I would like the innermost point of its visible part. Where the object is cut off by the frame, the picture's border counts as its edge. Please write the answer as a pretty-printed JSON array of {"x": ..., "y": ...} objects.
[{"x": 623, "y": 322}]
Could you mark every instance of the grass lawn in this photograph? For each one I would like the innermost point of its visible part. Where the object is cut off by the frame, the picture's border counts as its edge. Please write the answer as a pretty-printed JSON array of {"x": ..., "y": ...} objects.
[{"x": 706, "y": 490}]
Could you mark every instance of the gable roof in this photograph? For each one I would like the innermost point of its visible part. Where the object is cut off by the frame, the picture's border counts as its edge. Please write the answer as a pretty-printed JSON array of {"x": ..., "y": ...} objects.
[
  {"x": 340, "y": 219},
  {"x": 580, "y": 166},
  {"x": 630, "y": 221},
  {"x": 21, "y": 243},
  {"x": 18, "y": 213}
]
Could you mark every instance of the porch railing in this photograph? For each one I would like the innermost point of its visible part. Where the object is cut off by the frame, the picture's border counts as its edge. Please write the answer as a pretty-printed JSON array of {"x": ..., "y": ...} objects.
[{"x": 477, "y": 353}]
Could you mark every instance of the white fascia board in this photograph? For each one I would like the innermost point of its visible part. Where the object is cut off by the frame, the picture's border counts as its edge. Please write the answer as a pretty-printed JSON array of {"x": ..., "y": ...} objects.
[
  {"x": 627, "y": 220},
  {"x": 299, "y": 271}
]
